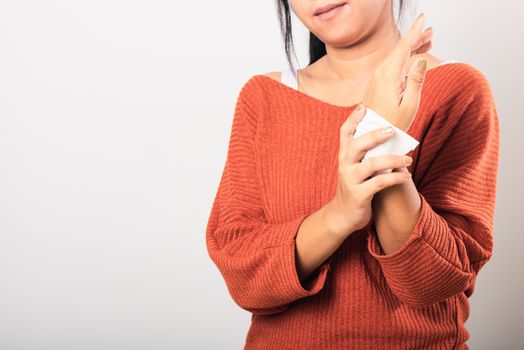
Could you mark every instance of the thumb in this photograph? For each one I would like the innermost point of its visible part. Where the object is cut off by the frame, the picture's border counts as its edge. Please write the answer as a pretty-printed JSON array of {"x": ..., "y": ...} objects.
[{"x": 411, "y": 97}]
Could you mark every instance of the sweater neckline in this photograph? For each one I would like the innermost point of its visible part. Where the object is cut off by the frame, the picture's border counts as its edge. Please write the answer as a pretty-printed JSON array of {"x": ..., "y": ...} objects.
[{"x": 322, "y": 102}]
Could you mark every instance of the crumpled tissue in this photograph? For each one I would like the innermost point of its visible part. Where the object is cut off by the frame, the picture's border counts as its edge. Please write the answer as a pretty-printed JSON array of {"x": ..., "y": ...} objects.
[{"x": 399, "y": 144}]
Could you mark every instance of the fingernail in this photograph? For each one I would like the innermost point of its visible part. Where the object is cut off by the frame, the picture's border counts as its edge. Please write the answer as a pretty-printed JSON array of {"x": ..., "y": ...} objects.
[
  {"x": 420, "y": 16},
  {"x": 421, "y": 64},
  {"x": 388, "y": 130},
  {"x": 359, "y": 108},
  {"x": 408, "y": 160}
]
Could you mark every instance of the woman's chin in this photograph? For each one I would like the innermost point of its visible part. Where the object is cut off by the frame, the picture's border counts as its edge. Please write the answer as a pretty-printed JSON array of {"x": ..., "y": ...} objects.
[{"x": 338, "y": 39}]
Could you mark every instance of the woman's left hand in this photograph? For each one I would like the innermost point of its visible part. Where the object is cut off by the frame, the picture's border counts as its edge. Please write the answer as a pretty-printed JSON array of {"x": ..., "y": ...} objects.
[{"x": 388, "y": 93}]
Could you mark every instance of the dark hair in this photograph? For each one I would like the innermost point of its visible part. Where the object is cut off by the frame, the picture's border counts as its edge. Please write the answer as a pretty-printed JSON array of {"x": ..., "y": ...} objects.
[{"x": 317, "y": 48}]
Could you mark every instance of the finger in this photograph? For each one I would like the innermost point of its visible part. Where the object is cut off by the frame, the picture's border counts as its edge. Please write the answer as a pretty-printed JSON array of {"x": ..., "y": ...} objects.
[
  {"x": 404, "y": 47},
  {"x": 411, "y": 97},
  {"x": 366, "y": 141},
  {"x": 424, "y": 38},
  {"x": 369, "y": 166},
  {"x": 424, "y": 48},
  {"x": 403, "y": 169},
  {"x": 381, "y": 181},
  {"x": 347, "y": 129}
]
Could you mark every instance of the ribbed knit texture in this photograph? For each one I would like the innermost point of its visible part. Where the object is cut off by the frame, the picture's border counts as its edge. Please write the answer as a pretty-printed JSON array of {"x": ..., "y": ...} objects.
[{"x": 282, "y": 166}]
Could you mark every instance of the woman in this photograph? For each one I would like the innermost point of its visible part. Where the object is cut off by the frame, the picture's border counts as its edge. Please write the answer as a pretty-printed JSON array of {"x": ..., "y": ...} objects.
[{"x": 328, "y": 248}]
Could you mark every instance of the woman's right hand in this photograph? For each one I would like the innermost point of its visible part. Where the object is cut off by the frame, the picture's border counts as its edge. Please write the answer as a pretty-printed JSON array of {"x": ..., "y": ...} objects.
[{"x": 350, "y": 209}]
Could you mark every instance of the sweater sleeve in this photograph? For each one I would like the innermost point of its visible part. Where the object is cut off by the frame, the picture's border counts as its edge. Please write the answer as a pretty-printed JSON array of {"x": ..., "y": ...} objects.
[
  {"x": 255, "y": 257},
  {"x": 453, "y": 235}
]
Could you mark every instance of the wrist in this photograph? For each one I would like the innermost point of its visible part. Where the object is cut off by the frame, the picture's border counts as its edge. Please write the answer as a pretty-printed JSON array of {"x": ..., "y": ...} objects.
[{"x": 333, "y": 223}]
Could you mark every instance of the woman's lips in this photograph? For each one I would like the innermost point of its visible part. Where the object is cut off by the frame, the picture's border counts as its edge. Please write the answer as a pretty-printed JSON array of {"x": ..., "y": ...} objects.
[{"x": 332, "y": 12}]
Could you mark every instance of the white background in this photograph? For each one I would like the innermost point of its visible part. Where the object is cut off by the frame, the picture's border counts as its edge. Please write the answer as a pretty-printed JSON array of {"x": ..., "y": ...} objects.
[{"x": 114, "y": 122}]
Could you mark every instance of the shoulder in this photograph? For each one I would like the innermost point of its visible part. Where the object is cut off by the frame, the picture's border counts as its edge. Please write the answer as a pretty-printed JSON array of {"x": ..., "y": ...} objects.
[
  {"x": 471, "y": 78},
  {"x": 257, "y": 80},
  {"x": 252, "y": 96},
  {"x": 276, "y": 75},
  {"x": 469, "y": 100},
  {"x": 259, "y": 86},
  {"x": 472, "y": 85},
  {"x": 462, "y": 72},
  {"x": 475, "y": 95},
  {"x": 251, "y": 88},
  {"x": 459, "y": 83}
]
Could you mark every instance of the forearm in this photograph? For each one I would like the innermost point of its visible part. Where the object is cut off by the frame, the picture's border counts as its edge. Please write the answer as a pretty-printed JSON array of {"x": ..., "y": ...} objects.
[
  {"x": 316, "y": 241},
  {"x": 395, "y": 212}
]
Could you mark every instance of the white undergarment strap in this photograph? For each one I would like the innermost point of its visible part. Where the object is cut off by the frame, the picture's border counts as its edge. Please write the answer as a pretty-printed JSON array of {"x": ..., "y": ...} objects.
[{"x": 288, "y": 79}]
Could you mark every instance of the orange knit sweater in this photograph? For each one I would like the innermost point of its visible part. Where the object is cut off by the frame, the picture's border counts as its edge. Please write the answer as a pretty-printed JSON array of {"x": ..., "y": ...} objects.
[{"x": 282, "y": 165}]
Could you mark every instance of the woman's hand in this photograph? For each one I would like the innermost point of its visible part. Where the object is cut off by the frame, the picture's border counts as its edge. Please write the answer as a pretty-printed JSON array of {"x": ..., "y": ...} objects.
[
  {"x": 350, "y": 209},
  {"x": 388, "y": 93}
]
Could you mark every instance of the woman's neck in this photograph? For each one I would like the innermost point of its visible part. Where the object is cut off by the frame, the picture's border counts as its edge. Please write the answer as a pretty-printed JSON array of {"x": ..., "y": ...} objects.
[{"x": 362, "y": 57}]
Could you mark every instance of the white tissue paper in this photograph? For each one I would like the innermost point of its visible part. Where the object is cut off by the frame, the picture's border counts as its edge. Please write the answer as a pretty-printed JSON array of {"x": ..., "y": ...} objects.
[{"x": 399, "y": 144}]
